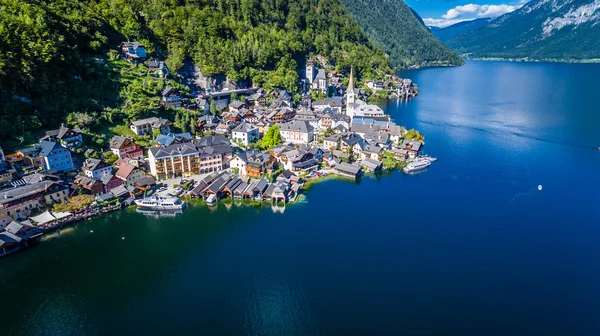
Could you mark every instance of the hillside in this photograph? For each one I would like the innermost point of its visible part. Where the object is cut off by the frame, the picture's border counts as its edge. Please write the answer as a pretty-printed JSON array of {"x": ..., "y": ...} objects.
[
  {"x": 447, "y": 33},
  {"x": 54, "y": 55},
  {"x": 400, "y": 32},
  {"x": 541, "y": 29}
]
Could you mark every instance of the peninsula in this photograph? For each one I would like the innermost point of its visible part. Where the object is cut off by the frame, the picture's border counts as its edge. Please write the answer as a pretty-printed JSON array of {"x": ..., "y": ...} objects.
[{"x": 210, "y": 141}]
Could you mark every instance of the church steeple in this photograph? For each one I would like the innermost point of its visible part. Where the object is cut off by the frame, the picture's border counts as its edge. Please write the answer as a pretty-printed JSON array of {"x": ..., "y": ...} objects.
[
  {"x": 350, "y": 94},
  {"x": 351, "y": 82}
]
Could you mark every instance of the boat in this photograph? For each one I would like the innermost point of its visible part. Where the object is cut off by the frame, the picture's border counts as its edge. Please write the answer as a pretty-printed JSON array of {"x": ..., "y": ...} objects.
[
  {"x": 211, "y": 199},
  {"x": 160, "y": 203},
  {"x": 417, "y": 166}
]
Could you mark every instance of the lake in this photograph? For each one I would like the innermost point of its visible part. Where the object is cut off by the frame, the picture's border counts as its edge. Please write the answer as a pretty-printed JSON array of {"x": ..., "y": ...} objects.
[{"x": 469, "y": 247}]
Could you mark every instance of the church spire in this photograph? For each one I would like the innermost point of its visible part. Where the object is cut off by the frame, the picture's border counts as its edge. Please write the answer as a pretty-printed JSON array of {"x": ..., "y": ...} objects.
[{"x": 351, "y": 81}]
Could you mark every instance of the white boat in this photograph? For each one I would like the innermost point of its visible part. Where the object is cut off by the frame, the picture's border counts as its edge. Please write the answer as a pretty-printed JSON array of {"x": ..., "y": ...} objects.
[
  {"x": 160, "y": 203},
  {"x": 211, "y": 199},
  {"x": 417, "y": 166}
]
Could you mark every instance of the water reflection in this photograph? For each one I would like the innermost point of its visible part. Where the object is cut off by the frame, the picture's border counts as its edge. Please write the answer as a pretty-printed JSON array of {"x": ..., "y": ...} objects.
[{"x": 159, "y": 214}]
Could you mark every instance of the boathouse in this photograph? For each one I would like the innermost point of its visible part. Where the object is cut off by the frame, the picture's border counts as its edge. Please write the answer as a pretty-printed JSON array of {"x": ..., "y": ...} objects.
[{"x": 347, "y": 170}]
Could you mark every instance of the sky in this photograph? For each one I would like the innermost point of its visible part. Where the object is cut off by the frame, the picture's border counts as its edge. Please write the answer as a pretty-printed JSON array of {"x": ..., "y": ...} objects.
[{"x": 443, "y": 13}]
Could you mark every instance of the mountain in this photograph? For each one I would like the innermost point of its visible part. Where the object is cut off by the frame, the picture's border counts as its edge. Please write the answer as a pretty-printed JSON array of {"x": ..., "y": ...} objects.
[
  {"x": 400, "y": 32},
  {"x": 60, "y": 56},
  {"x": 541, "y": 29},
  {"x": 447, "y": 33}
]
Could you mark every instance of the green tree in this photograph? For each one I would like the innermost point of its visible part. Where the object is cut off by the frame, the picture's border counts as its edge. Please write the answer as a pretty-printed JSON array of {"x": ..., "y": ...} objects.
[{"x": 271, "y": 138}]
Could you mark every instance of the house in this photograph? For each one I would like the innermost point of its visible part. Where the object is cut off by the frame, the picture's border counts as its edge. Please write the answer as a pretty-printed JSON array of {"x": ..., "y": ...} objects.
[
  {"x": 9, "y": 243},
  {"x": 332, "y": 119},
  {"x": 263, "y": 126},
  {"x": 21, "y": 229},
  {"x": 133, "y": 50},
  {"x": 400, "y": 154},
  {"x": 95, "y": 168},
  {"x": 368, "y": 151},
  {"x": 146, "y": 183},
  {"x": 129, "y": 174},
  {"x": 232, "y": 117},
  {"x": 158, "y": 68},
  {"x": 251, "y": 163},
  {"x": 19, "y": 202},
  {"x": 347, "y": 170},
  {"x": 110, "y": 182},
  {"x": 281, "y": 115},
  {"x": 297, "y": 132},
  {"x": 26, "y": 158},
  {"x": 295, "y": 159},
  {"x": 371, "y": 165},
  {"x": 245, "y": 133},
  {"x": 69, "y": 137},
  {"x": 172, "y": 138},
  {"x": 170, "y": 97},
  {"x": 256, "y": 189},
  {"x": 258, "y": 99},
  {"x": 89, "y": 185},
  {"x": 345, "y": 157},
  {"x": 334, "y": 103},
  {"x": 396, "y": 133},
  {"x": 206, "y": 156},
  {"x": 124, "y": 147},
  {"x": 237, "y": 106},
  {"x": 412, "y": 147},
  {"x": 56, "y": 157},
  {"x": 306, "y": 114},
  {"x": 146, "y": 126},
  {"x": 332, "y": 142},
  {"x": 348, "y": 140}
]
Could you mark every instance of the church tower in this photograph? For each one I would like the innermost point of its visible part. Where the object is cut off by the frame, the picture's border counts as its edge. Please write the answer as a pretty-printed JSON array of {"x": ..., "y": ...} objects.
[
  {"x": 350, "y": 95},
  {"x": 310, "y": 71}
]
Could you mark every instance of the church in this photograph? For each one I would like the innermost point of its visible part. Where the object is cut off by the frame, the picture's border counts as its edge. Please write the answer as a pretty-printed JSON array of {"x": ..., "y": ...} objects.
[
  {"x": 356, "y": 107},
  {"x": 316, "y": 78}
]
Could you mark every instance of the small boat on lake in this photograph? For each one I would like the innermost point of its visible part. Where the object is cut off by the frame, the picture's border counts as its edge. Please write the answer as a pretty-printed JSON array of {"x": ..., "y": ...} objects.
[
  {"x": 211, "y": 199},
  {"x": 159, "y": 203},
  {"x": 416, "y": 166}
]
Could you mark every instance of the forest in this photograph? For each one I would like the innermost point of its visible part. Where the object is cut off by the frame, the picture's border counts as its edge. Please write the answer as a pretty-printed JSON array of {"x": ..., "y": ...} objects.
[
  {"x": 58, "y": 57},
  {"x": 401, "y": 33}
]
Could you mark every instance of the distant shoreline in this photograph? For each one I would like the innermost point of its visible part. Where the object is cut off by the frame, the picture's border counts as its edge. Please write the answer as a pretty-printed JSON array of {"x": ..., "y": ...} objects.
[{"x": 529, "y": 60}]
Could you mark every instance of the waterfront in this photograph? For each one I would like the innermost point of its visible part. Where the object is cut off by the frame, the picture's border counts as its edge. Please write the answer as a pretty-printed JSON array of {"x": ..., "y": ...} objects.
[{"x": 469, "y": 247}]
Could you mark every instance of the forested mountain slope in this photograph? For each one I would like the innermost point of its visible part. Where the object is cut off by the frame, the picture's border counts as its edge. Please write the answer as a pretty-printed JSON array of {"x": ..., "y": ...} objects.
[
  {"x": 401, "y": 33},
  {"x": 52, "y": 52}
]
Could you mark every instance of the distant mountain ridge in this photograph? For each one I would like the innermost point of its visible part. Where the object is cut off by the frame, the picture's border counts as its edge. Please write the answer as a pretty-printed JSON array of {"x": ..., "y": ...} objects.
[
  {"x": 401, "y": 33},
  {"x": 447, "y": 33},
  {"x": 541, "y": 29}
]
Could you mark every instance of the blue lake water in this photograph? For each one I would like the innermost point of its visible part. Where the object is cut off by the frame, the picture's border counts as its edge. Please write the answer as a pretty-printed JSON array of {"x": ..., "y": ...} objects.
[{"x": 470, "y": 247}]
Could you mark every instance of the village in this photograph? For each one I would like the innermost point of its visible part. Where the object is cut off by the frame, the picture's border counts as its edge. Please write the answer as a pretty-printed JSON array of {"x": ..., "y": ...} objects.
[{"x": 262, "y": 146}]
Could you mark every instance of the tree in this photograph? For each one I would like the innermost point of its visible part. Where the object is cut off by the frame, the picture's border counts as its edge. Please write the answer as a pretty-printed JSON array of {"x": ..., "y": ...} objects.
[
  {"x": 271, "y": 138},
  {"x": 328, "y": 132},
  {"x": 80, "y": 119},
  {"x": 193, "y": 126},
  {"x": 214, "y": 109},
  {"x": 74, "y": 203}
]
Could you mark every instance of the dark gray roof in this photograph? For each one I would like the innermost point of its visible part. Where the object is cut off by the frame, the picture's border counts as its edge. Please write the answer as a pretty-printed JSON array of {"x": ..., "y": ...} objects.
[
  {"x": 296, "y": 126},
  {"x": 245, "y": 128},
  {"x": 48, "y": 147},
  {"x": 93, "y": 164},
  {"x": 348, "y": 168},
  {"x": 12, "y": 194},
  {"x": 106, "y": 178}
]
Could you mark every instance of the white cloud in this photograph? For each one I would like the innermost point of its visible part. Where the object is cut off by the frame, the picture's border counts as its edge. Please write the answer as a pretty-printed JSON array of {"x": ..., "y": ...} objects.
[{"x": 472, "y": 11}]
